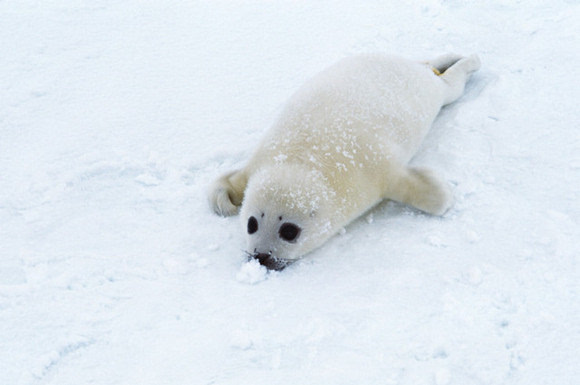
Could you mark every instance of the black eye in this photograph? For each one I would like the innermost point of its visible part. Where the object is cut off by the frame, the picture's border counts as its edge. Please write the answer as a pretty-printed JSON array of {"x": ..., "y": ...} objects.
[
  {"x": 289, "y": 232},
  {"x": 252, "y": 225}
]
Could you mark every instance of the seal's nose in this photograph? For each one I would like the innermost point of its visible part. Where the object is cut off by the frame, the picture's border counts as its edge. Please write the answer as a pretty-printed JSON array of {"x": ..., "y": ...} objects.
[{"x": 270, "y": 262}]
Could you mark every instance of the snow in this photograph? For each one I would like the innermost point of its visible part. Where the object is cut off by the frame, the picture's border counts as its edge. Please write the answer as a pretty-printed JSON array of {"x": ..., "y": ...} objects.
[
  {"x": 115, "y": 117},
  {"x": 252, "y": 272}
]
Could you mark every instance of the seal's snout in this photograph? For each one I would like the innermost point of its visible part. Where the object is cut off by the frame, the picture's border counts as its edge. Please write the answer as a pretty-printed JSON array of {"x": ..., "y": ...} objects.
[{"x": 270, "y": 262}]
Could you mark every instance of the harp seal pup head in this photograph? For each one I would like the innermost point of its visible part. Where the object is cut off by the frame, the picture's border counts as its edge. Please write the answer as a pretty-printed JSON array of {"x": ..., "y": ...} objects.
[
  {"x": 340, "y": 146},
  {"x": 287, "y": 211}
]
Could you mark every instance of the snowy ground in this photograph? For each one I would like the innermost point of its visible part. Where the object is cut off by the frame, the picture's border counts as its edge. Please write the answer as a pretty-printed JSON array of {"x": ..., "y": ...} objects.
[{"x": 115, "y": 116}]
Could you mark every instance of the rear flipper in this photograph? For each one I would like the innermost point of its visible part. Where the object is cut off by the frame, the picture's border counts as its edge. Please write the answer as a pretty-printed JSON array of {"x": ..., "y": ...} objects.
[
  {"x": 227, "y": 193},
  {"x": 443, "y": 62},
  {"x": 422, "y": 189},
  {"x": 455, "y": 71}
]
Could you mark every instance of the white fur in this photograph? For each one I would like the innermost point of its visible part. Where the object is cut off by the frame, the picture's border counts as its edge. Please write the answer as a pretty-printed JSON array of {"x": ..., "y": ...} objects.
[{"x": 340, "y": 146}]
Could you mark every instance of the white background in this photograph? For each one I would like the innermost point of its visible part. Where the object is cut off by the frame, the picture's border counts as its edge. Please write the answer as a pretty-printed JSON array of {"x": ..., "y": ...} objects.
[{"x": 116, "y": 115}]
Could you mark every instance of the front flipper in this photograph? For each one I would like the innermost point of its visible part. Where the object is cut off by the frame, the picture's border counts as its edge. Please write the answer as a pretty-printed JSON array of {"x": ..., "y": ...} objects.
[
  {"x": 227, "y": 193},
  {"x": 422, "y": 189}
]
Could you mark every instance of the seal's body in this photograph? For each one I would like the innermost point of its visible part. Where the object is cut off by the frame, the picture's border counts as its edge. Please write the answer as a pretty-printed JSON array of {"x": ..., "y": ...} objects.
[{"x": 340, "y": 146}]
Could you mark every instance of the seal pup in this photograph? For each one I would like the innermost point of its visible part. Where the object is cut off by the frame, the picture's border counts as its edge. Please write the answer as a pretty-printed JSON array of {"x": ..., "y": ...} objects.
[{"x": 341, "y": 145}]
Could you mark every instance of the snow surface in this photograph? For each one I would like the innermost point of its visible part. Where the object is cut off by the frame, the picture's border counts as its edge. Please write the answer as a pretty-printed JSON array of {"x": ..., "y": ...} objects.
[{"x": 116, "y": 115}]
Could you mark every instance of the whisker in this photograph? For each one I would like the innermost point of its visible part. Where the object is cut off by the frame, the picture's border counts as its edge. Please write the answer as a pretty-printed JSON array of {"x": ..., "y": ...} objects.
[{"x": 249, "y": 256}]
